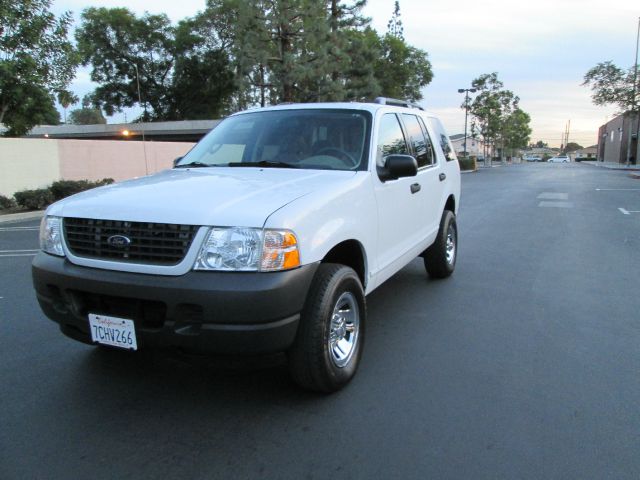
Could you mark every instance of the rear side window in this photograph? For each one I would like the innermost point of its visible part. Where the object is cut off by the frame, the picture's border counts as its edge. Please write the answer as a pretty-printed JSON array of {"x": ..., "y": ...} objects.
[
  {"x": 445, "y": 143},
  {"x": 419, "y": 140},
  {"x": 390, "y": 139}
]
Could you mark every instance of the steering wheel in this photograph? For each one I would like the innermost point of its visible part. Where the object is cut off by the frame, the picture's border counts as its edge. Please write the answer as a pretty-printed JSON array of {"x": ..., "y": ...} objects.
[{"x": 346, "y": 157}]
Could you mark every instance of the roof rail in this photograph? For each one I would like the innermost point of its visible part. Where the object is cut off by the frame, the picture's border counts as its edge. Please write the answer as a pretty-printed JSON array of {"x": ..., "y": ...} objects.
[{"x": 397, "y": 103}]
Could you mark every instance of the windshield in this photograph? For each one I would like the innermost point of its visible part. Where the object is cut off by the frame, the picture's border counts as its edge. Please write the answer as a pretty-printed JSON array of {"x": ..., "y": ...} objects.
[{"x": 309, "y": 139}]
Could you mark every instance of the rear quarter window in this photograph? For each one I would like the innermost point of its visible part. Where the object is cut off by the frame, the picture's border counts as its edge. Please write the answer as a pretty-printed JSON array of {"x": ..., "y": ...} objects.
[{"x": 443, "y": 139}]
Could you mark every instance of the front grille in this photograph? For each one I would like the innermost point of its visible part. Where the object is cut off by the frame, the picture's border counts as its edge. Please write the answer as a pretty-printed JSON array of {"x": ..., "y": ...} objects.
[{"x": 143, "y": 242}]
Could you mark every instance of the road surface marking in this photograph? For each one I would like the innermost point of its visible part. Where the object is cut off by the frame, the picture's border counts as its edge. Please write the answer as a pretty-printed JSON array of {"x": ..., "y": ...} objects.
[
  {"x": 18, "y": 229},
  {"x": 556, "y": 204},
  {"x": 553, "y": 196},
  {"x": 2, "y": 255},
  {"x": 30, "y": 250},
  {"x": 624, "y": 212},
  {"x": 617, "y": 189}
]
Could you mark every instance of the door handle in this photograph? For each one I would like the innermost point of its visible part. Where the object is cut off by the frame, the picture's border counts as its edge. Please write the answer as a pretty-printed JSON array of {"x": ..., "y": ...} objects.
[
  {"x": 415, "y": 188},
  {"x": 443, "y": 177}
]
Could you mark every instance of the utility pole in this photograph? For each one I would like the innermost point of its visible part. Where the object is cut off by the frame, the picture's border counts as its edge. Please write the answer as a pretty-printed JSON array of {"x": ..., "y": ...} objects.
[
  {"x": 466, "y": 113},
  {"x": 144, "y": 147}
]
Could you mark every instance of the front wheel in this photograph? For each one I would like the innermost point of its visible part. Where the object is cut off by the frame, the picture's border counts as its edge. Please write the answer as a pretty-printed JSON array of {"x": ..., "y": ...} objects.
[
  {"x": 440, "y": 258},
  {"x": 328, "y": 345}
]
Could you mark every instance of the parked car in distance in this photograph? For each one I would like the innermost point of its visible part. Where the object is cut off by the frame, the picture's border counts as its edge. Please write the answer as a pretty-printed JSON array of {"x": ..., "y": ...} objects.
[
  {"x": 532, "y": 158},
  {"x": 559, "y": 159},
  {"x": 265, "y": 237}
]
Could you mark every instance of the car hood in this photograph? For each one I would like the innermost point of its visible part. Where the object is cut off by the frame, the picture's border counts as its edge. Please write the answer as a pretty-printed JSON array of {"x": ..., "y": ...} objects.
[{"x": 221, "y": 196}]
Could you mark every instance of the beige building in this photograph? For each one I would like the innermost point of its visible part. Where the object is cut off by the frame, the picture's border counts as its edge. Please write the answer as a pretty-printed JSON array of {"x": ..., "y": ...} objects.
[{"x": 475, "y": 147}]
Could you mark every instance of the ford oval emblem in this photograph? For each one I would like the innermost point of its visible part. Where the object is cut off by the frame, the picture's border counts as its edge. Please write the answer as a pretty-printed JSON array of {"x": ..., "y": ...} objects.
[{"x": 119, "y": 241}]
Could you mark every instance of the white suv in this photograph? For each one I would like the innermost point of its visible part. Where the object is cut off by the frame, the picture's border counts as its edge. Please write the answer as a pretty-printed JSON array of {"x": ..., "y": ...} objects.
[{"x": 265, "y": 237}]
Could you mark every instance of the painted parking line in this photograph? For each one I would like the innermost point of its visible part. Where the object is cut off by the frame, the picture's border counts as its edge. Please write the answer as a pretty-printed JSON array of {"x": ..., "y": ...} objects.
[
  {"x": 617, "y": 189},
  {"x": 18, "y": 253},
  {"x": 19, "y": 229},
  {"x": 555, "y": 204},
  {"x": 553, "y": 196},
  {"x": 628, "y": 212}
]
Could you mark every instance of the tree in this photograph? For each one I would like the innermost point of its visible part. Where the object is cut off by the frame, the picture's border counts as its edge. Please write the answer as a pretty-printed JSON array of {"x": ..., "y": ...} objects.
[
  {"x": 497, "y": 116},
  {"x": 517, "y": 131},
  {"x": 394, "y": 26},
  {"x": 37, "y": 62},
  {"x": 66, "y": 99},
  {"x": 541, "y": 144},
  {"x": 182, "y": 72},
  {"x": 402, "y": 70},
  {"x": 611, "y": 85},
  {"x": 86, "y": 116},
  {"x": 572, "y": 147},
  {"x": 122, "y": 50}
]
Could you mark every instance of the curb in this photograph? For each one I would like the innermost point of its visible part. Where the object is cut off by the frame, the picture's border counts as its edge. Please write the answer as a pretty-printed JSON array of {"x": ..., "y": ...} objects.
[{"x": 15, "y": 217}]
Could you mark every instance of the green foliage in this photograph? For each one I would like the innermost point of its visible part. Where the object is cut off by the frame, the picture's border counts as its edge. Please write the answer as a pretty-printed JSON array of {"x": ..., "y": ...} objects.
[
  {"x": 283, "y": 51},
  {"x": 64, "y": 188},
  {"x": 42, "y": 197},
  {"x": 516, "y": 131},
  {"x": 37, "y": 62},
  {"x": 34, "y": 199},
  {"x": 123, "y": 49},
  {"x": 497, "y": 117},
  {"x": 6, "y": 203},
  {"x": 611, "y": 85},
  {"x": 467, "y": 163},
  {"x": 183, "y": 72},
  {"x": 86, "y": 116},
  {"x": 541, "y": 144},
  {"x": 572, "y": 147},
  {"x": 394, "y": 26},
  {"x": 402, "y": 70}
]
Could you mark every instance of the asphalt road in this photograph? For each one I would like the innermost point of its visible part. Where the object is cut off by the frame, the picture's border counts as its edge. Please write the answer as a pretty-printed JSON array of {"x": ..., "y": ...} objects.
[{"x": 524, "y": 364}]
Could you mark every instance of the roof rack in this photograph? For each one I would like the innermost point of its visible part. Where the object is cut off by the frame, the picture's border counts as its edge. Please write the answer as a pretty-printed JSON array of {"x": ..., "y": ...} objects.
[{"x": 397, "y": 103}]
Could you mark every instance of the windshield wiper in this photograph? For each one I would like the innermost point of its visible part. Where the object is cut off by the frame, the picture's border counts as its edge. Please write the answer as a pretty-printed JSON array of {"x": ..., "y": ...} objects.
[
  {"x": 263, "y": 163},
  {"x": 194, "y": 165}
]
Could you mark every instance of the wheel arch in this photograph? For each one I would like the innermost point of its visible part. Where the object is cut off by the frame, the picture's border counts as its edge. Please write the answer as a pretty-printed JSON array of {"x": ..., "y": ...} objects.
[
  {"x": 352, "y": 254},
  {"x": 450, "y": 204}
]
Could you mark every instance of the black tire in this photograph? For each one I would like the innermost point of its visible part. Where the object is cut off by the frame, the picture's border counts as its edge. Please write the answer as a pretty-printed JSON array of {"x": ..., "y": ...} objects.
[
  {"x": 313, "y": 362},
  {"x": 439, "y": 260}
]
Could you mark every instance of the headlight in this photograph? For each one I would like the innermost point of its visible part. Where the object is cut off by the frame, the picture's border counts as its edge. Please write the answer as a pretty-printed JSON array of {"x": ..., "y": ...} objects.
[
  {"x": 248, "y": 249},
  {"x": 51, "y": 235}
]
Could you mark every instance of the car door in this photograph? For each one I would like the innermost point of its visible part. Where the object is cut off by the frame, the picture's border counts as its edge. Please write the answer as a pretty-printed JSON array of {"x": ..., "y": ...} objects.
[
  {"x": 430, "y": 178},
  {"x": 399, "y": 202}
]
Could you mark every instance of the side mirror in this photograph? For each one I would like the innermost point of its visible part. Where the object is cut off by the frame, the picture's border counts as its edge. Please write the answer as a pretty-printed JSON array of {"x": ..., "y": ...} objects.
[
  {"x": 176, "y": 160},
  {"x": 398, "y": 166}
]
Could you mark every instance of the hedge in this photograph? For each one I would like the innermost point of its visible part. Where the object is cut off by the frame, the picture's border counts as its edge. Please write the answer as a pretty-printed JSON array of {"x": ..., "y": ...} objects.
[
  {"x": 468, "y": 163},
  {"x": 42, "y": 197},
  {"x": 6, "y": 202}
]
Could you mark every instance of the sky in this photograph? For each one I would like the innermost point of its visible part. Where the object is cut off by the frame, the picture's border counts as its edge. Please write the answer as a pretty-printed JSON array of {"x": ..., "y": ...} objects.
[{"x": 540, "y": 49}]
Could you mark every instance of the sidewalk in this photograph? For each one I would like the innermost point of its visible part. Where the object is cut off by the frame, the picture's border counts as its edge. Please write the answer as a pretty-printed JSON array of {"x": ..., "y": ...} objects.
[
  {"x": 612, "y": 166},
  {"x": 15, "y": 217}
]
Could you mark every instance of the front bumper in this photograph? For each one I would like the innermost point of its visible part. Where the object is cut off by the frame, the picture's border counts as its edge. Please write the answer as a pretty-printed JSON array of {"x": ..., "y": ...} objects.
[{"x": 217, "y": 312}]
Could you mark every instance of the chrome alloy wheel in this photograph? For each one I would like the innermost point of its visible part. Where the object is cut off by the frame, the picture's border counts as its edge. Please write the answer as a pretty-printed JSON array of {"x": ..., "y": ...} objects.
[
  {"x": 451, "y": 244},
  {"x": 343, "y": 336}
]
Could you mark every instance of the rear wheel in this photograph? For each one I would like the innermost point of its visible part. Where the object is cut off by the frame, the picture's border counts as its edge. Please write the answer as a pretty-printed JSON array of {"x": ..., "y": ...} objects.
[
  {"x": 328, "y": 345},
  {"x": 440, "y": 258}
]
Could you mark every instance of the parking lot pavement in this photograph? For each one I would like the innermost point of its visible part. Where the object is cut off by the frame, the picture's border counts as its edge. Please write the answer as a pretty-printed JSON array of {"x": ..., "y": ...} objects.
[{"x": 524, "y": 364}]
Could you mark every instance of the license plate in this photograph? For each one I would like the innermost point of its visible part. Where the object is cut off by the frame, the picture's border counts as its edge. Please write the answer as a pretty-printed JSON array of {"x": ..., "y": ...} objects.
[{"x": 114, "y": 331}]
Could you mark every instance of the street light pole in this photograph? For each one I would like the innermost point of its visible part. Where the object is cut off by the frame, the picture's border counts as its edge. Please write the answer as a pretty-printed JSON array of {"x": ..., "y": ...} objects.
[
  {"x": 144, "y": 147},
  {"x": 466, "y": 113}
]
